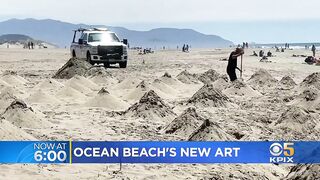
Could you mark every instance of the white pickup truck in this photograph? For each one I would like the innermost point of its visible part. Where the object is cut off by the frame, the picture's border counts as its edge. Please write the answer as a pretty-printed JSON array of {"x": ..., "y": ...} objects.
[{"x": 99, "y": 45}]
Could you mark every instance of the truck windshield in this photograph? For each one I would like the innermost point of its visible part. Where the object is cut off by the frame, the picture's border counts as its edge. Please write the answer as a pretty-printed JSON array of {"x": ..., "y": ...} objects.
[{"x": 103, "y": 37}]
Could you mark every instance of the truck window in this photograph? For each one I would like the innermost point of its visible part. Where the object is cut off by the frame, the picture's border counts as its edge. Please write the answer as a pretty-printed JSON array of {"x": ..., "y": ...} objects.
[
  {"x": 76, "y": 36},
  {"x": 84, "y": 36},
  {"x": 103, "y": 37}
]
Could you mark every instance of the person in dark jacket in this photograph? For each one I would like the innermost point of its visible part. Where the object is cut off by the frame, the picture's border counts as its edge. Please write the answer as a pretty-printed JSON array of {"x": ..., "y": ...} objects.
[
  {"x": 232, "y": 63},
  {"x": 313, "y": 49}
]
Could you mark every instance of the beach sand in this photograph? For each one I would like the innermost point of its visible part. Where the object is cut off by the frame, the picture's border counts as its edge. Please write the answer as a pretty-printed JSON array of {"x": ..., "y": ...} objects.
[{"x": 261, "y": 107}]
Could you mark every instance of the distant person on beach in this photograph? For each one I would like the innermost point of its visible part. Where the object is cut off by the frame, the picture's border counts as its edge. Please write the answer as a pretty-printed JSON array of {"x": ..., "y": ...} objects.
[
  {"x": 269, "y": 54},
  {"x": 31, "y": 45},
  {"x": 264, "y": 59},
  {"x": 254, "y": 54},
  {"x": 232, "y": 63},
  {"x": 261, "y": 53},
  {"x": 310, "y": 60},
  {"x": 313, "y": 49},
  {"x": 183, "y": 48}
]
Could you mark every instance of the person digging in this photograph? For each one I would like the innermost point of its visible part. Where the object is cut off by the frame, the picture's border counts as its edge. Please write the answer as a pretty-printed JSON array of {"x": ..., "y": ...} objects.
[{"x": 232, "y": 64}]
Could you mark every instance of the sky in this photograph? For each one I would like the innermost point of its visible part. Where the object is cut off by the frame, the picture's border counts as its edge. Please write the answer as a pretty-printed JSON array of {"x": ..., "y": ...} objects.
[{"x": 236, "y": 20}]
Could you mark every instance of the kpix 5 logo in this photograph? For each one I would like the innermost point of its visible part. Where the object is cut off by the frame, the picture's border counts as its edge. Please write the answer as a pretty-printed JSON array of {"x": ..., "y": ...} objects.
[{"x": 281, "y": 152}]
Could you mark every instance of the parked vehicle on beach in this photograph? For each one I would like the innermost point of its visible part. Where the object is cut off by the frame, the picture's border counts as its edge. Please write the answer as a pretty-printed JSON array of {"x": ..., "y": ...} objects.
[{"x": 99, "y": 45}]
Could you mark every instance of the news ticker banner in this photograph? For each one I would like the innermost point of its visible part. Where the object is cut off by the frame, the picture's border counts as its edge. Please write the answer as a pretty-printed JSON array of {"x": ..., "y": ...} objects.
[{"x": 159, "y": 152}]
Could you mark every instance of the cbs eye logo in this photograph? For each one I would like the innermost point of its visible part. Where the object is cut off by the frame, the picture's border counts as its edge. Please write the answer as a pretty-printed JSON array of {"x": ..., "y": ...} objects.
[
  {"x": 276, "y": 149},
  {"x": 285, "y": 149}
]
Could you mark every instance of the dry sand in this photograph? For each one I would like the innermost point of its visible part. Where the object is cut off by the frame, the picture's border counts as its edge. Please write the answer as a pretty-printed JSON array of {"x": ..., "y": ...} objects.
[
  {"x": 186, "y": 123},
  {"x": 172, "y": 96}
]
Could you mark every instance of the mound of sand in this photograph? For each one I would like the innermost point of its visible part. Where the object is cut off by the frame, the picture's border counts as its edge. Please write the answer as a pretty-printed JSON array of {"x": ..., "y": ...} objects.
[
  {"x": 262, "y": 79},
  {"x": 100, "y": 75},
  {"x": 86, "y": 82},
  {"x": 296, "y": 119},
  {"x": 209, "y": 76},
  {"x": 97, "y": 71},
  {"x": 221, "y": 83},
  {"x": 19, "y": 114},
  {"x": 6, "y": 98},
  {"x": 13, "y": 90},
  {"x": 13, "y": 79},
  {"x": 169, "y": 80},
  {"x": 185, "y": 124},
  {"x": 106, "y": 100},
  {"x": 9, "y": 132},
  {"x": 73, "y": 67},
  {"x": 209, "y": 96},
  {"x": 309, "y": 99},
  {"x": 311, "y": 80},
  {"x": 3, "y": 84},
  {"x": 159, "y": 84},
  {"x": 150, "y": 106},
  {"x": 41, "y": 97},
  {"x": 187, "y": 78},
  {"x": 304, "y": 171},
  {"x": 6, "y": 95},
  {"x": 286, "y": 83},
  {"x": 239, "y": 88},
  {"x": 138, "y": 92},
  {"x": 82, "y": 84},
  {"x": 49, "y": 84},
  {"x": 79, "y": 87},
  {"x": 70, "y": 93},
  {"x": 144, "y": 87},
  {"x": 209, "y": 131},
  {"x": 127, "y": 83}
]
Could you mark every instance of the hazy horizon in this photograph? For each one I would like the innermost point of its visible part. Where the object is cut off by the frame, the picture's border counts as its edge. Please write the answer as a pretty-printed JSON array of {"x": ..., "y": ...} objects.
[{"x": 272, "y": 21}]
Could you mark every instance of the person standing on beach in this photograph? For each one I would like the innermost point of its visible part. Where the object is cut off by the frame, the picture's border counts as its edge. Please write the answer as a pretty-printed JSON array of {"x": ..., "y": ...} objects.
[
  {"x": 313, "y": 49},
  {"x": 232, "y": 63}
]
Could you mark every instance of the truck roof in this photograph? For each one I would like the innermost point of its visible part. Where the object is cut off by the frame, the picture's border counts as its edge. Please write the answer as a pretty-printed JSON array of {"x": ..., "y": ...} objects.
[{"x": 93, "y": 30}]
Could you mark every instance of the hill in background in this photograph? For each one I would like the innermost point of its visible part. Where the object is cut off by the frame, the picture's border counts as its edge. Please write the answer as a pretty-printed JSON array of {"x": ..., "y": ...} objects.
[
  {"x": 20, "y": 39},
  {"x": 60, "y": 33},
  {"x": 14, "y": 38}
]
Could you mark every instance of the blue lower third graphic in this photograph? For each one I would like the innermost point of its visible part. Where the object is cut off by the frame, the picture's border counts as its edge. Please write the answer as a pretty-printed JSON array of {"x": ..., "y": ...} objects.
[
  {"x": 34, "y": 152},
  {"x": 159, "y": 152}
]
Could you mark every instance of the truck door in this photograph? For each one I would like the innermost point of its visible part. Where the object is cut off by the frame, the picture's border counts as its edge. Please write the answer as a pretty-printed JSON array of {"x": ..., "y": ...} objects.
[
  {"x": 75, "y": 44},
  {"x": 82, "y": 47}
]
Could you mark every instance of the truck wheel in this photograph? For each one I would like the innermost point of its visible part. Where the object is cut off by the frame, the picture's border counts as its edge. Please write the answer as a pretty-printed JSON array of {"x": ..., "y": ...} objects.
[
  {"x": 89, "y": 58},
  {"x": 123, "y": 64},
  {"x": 106, "y": 65},
  {"x": 74, "y": 54}
]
